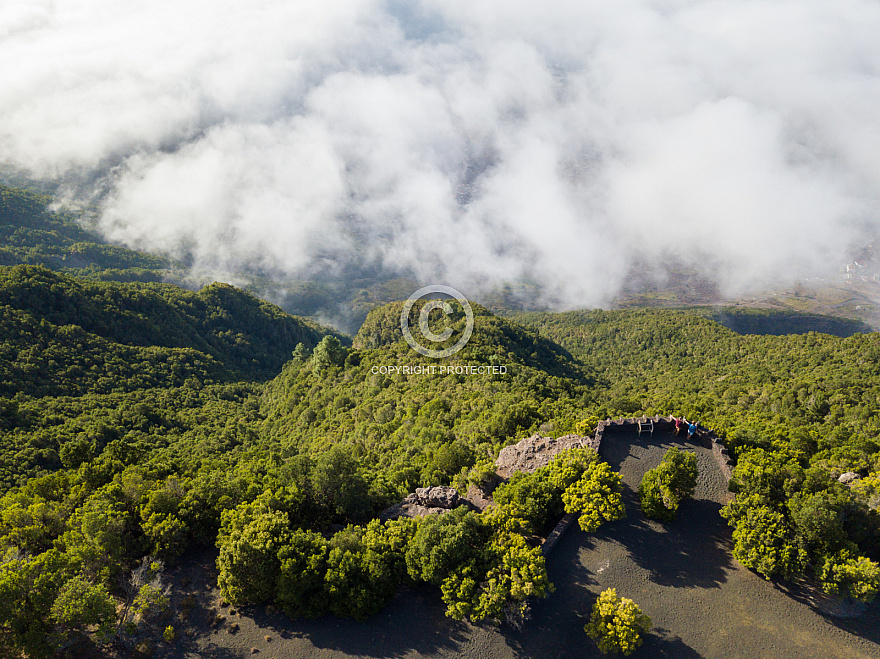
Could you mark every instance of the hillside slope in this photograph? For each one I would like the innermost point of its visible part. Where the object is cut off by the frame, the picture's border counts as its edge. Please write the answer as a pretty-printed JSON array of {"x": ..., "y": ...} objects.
[
  {"x": 423, "y": 428},
  {"x": 32, "y": 234},
  {"x": 53, "y": 323},
  {"x": 84, "y": 364}
]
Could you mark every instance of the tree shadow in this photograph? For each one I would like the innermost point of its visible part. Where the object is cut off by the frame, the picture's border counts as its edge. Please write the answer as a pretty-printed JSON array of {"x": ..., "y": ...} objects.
[
  {"x": 618, "y": 444},
  {"x": 691, "y": 552},
  {"x": 556, "y": 628},
  {"x": 622, "y": 442},
  {"x": 564, "y": 566},
  {"x": 862, "y": 620},
  {"x": 414, "y": 621},
  {"x": 661, "y": 643},
  {"x": 556, "y": 624}
]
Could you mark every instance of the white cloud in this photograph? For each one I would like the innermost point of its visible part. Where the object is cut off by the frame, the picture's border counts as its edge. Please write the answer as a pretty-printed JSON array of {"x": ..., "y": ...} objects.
[{"x": 470, "y": 142}]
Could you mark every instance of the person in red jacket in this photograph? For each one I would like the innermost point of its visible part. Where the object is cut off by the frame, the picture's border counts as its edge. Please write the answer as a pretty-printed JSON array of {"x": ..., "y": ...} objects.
[{"x": 679, "y": 424}]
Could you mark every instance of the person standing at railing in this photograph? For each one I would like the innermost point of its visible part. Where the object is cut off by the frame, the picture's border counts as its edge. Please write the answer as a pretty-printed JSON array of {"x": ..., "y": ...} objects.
[{"x": 679, "y": 424}]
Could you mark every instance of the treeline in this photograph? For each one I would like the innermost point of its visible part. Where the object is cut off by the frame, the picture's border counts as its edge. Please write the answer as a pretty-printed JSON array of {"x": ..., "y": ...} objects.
[
  {"x": 790, "y": 517},
  {"x": 486, "y": 564},
  {"x": 73, "y": 538}
]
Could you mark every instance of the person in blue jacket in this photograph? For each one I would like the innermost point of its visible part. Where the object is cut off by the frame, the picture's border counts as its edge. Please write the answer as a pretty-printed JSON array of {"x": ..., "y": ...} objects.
[{"x": 692, "y": 430}]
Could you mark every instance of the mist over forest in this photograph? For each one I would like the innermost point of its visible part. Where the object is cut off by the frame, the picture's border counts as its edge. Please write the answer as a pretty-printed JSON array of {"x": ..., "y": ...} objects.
[{"x": 555, "y": 147}]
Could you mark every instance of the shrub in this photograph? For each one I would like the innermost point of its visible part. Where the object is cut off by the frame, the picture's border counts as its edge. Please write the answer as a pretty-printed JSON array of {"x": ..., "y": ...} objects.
[
  {"x": 617, "y": 624},
  {"x": 765, "y": 541},
  {"x": 596, "y": 496},
  {"x": 850, "y": 575},
  {"x": 664, "y": 488}
]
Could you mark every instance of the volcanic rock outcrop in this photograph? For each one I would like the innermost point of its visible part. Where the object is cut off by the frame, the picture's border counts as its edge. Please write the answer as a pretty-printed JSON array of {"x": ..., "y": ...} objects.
[
  {"x": 536, "y": 451},
  {"x": 425, "y": 501}
]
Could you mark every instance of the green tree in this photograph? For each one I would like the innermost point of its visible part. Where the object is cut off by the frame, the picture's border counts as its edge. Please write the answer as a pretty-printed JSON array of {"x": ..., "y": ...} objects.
[
  {"x": 444, "y": 543},
  {"x": 303, "y": 566},
  {"x": 76, "y": 452},
  {"x": 357, "y": 582},
  {"x": 774, "y": 476},
  {"x": 339, "y": 486},
  {"x": 329, "y": 352},
  {"x": 161, "y": 522},
  {"x": 617, "y": 624},
  {"x": 530, "y": 497},
  {"x": 300, "y": 353},
  {"x": 664, "y": 488},
  {"x": 596, "y": 497},
  {"x": 29, "y": 523},
  {"x": 352, "y": 575},
  {"x": 765, "y": 541},
  {"x": 447, "y": 461},
  {"x": 846, "y": 573},
  {"x": 818, "y": 520},
  {"x": 390, "y": 540},
  {"x": 498, "y": 586},
  {"x": 29, "y": 587},
  {"x": 81, "y": 604},
  {"x": 569, "y": 466},
  {"x": 95, "y": 537},
  {"x": 248, "y": 561}
]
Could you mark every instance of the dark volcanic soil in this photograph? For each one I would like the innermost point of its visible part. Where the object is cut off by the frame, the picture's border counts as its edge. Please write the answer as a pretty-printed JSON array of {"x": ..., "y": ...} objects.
[{"x": 702, "y": 603}]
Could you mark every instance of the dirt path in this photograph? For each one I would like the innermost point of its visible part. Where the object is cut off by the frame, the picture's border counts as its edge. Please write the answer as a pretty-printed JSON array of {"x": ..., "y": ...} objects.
[{"x": 702, "y": 603}]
